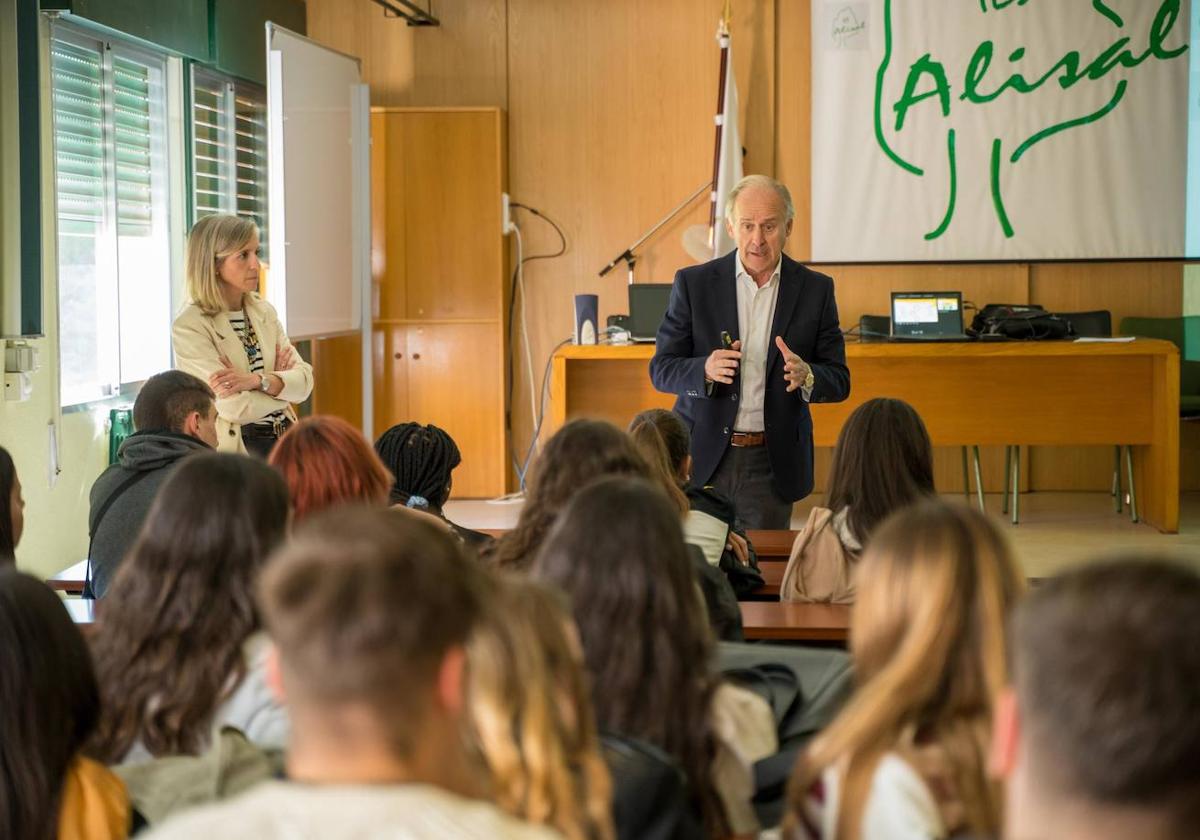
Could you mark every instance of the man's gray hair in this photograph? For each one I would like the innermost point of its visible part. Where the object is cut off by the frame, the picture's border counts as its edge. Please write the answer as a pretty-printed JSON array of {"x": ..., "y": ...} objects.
[{"x": 760, "y": 181}]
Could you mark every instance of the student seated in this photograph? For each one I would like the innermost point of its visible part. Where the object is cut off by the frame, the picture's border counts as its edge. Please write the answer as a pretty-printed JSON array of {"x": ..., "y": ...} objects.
[
  {"x": 49, "y": 704},
  {"x": 882, "y": 463},
  {"x": 326, "y": 462},
  {"x": 618, "y": 553},
  {"x": 907, "y": 756},
  {"x": 530, "y": 713},
  {"x": 175, "y": 416},
  {"x": 12, "y": 510},
  {"x": 710, "y": 519},
  {"x": 177, "y": 640},
  {"x": 1100, "y": 736},
  {"x": 370, "y": 613},
  {"x": 579, "y": 452},
  {"x": 421, "y": 459}
]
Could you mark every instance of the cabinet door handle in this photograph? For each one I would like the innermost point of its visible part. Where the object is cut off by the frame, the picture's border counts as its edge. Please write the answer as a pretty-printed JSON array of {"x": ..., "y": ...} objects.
[
  {"x": 416, "y": 356},
  {"x": 397, "y": 355}
]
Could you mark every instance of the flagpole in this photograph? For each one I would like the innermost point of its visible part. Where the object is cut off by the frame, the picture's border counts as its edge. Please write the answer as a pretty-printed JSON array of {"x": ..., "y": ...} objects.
[{"x": 719, "y": 120}]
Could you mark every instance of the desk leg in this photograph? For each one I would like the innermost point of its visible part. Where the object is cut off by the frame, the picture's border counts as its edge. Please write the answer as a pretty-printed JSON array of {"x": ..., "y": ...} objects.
[{"x": 1157, "y": 465}]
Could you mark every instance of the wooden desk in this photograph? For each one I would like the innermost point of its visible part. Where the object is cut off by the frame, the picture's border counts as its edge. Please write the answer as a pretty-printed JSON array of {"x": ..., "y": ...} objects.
[
  {"x": 1050, "y": 393},
  {"x": 795, "y": 622},
  {"x": 772, "y": 572},
  {"x": 70, "y": 580}
]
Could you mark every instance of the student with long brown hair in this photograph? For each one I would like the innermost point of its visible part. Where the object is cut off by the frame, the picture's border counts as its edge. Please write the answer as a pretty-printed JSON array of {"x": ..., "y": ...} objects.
[
  {"x": 907, "y": 756},
  {"x": 49, "y": 705},
  {"x": 530, "y": 713},
  {"x": 579, "y": 452},
  {"x": 177, "y": 640},
  {"x": 882, "y": 463},
  {"x": 12, "y": 509},
  {"x": 618, "y": 552}
]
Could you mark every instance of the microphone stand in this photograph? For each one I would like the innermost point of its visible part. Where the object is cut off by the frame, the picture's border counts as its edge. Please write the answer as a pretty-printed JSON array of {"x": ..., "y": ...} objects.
[{"x": 629, "y": 255}]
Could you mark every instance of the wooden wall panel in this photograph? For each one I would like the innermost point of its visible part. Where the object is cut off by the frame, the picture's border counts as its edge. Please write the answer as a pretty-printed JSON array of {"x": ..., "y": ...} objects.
[{"x": 461, "y": 62}]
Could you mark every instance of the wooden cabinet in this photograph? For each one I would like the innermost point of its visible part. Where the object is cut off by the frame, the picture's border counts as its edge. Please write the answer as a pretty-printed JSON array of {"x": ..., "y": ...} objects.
[{"x": 439, "y": 261}]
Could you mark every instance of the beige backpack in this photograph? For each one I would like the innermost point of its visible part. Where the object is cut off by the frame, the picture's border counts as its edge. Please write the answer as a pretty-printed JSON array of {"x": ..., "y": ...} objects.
[{"x": 820, "y": 569}]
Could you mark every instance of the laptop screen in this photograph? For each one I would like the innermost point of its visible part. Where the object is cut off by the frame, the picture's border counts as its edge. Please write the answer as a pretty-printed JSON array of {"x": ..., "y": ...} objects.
[
  {"x": 923, "y": 314},
  {"x": 647, "y": 306}
]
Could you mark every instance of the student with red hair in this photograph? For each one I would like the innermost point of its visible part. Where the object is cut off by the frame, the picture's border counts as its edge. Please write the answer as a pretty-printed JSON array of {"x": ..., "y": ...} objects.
[{"x": 327, "y": 462}]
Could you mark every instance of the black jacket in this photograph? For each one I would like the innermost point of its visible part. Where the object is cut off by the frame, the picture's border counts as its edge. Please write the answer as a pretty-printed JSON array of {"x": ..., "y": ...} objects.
[{"x": 703, "y": 304}]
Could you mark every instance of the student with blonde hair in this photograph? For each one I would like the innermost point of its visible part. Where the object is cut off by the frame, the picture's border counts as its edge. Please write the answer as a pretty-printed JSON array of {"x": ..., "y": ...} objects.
[
  {"x": 232, "y": 339},
  {"x": 530, "y": 712},
  {"x": 907, "y": 757}
]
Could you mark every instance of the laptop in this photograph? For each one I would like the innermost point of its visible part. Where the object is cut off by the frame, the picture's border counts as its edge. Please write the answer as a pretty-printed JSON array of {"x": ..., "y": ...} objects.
[
  {"x": 647, "y": 306},
  {"x": 927, "y": 316}
]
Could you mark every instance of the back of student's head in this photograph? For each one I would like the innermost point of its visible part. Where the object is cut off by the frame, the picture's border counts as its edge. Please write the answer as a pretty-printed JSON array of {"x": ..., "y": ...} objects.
[
  {"x": 883, "y": 462},
  {"x": 167, "y": 399},
  {"x": 578, "y": 453},
  {"x": 48, "y": 704},
  {"x": 531, "y": 712},
  {"x": 327, "y": 462},
  {"x": 674, "y": 433},
  {"x": 9, "y": 530},
  {"x": 420, "y": 459},
  {"x": 364, "y": 605},
  {"x": 1107, "y": 674},
  {"x": 935, "y": 587},
  {"x": 655, "y": 448},
  {"x": 618, "y": 553},
  {"x": 170, "y": 629}
]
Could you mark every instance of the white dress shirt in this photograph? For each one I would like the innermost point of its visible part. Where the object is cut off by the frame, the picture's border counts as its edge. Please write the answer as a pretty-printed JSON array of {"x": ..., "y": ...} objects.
[{"x": 756, "y": 311}]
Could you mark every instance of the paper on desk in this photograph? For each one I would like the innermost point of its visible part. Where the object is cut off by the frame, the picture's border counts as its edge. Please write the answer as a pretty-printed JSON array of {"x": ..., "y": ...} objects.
[{"x": 1120, "y": 339}]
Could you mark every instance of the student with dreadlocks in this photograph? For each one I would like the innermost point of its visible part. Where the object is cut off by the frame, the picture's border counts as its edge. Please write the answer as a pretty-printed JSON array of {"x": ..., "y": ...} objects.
[{"x": 421, "y": 458}]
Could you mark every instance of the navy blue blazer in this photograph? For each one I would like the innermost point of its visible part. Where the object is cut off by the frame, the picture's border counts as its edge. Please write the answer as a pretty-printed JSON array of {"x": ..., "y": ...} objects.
[{"x": 703, "y": 303}]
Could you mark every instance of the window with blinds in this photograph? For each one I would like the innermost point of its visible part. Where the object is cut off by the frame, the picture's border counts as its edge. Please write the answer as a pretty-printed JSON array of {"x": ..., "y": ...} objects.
[
  {"x": 114, "y": 268},
  {"x": 229, "y": 148}
]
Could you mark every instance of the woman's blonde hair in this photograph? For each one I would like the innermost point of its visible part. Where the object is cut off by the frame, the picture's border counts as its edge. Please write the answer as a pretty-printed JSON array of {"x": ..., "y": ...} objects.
[
  {"x": 935, "y": 587},
  {"x": 531, "y": 714},
  {"x": 211, "y": 240}
]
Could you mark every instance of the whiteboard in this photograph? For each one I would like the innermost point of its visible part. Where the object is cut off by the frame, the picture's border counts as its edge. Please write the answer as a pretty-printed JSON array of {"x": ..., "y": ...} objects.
[
  {"x": 319, "y": 182},
  {"x": 999, "y": 129}
]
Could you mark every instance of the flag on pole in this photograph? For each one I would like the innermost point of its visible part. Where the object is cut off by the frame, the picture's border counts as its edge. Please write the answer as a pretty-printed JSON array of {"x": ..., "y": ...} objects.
[{"x": 729, "y": 155}]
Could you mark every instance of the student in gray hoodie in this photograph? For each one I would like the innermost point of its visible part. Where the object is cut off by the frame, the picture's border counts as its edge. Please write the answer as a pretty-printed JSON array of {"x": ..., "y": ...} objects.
[{"x": 174, "y": 415}]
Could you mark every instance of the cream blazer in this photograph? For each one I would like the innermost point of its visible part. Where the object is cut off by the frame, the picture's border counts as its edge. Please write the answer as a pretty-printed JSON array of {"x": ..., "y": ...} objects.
[{"x": 199, "y": 342}]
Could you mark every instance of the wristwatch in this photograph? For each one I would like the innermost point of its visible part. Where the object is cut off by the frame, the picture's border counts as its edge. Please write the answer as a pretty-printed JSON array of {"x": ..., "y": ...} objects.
[
  {"x": 808, "y": 380},
  {"x": 264, "y": 386}
]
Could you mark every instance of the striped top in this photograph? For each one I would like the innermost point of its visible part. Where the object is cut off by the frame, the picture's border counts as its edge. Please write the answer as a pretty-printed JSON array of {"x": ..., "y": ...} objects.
[{"x": 245, "y": 330}]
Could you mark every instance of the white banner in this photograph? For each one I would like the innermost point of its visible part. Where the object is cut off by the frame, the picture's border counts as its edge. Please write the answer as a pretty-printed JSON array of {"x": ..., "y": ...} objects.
[{"x": 999, "y": 129}]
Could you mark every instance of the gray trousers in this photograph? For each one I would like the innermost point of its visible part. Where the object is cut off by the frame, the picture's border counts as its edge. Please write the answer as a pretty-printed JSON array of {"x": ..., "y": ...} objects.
[{"x": 744, "y": 476}]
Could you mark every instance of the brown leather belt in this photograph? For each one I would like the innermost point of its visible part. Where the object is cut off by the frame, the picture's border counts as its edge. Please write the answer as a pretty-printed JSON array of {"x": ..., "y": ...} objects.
[{"x": 747, "y": 439}]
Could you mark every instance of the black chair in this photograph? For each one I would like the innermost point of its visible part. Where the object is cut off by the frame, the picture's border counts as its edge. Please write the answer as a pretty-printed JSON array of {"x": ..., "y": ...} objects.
[
  {"x": 879, "y": 328},
  {"x": 1096, "y": 323}
]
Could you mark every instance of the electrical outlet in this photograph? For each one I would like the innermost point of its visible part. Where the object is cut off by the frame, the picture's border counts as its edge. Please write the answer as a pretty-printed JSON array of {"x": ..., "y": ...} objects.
[{"x": 506, "y": 222}]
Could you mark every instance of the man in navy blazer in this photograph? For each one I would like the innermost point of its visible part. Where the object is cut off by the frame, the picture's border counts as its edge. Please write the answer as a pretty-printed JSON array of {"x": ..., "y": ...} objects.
[{"x": 747, "y": 402}]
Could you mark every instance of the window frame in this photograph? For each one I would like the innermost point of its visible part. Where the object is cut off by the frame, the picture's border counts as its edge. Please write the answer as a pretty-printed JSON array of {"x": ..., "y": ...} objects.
[
  {"x": 233, "y": 89},
  {"x": 174, "y": 182}
]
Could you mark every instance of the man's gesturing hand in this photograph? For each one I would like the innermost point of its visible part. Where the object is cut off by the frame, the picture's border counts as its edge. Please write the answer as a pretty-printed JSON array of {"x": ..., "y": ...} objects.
[
  {"x": 721, "y": 365},
  {"x": 795, "y": 369}
]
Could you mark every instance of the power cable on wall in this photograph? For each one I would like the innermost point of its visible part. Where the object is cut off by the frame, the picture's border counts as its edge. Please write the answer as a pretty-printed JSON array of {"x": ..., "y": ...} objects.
[{"x": 537, "y": 412}]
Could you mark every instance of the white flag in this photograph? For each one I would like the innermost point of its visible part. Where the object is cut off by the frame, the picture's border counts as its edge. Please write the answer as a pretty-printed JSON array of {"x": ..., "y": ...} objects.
[{"x": 729, "y": 170}]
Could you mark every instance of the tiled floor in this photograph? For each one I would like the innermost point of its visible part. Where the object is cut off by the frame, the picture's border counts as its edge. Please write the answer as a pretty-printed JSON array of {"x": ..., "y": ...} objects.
[{"x": 1057, "y": 530}]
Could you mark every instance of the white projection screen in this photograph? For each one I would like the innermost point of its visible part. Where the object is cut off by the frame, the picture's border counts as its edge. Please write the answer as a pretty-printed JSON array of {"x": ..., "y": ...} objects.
[
  {"x": 319, "y": 175},
  {"x": 1001, "y": 129}
]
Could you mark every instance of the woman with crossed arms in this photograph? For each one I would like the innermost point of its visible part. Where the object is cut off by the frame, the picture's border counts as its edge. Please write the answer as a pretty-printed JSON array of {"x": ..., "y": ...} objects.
[{"x": 232, "y": 338}]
